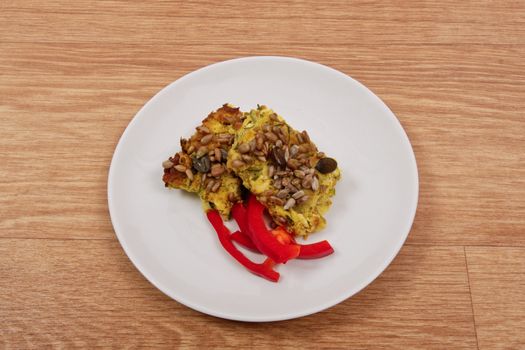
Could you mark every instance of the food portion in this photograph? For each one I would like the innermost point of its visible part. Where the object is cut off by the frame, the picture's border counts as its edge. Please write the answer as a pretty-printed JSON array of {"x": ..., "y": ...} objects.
[
  {"x": 284, "y": 170},
  {"x": 254, "y": 165},
  {"x": 200, "y": 167}
]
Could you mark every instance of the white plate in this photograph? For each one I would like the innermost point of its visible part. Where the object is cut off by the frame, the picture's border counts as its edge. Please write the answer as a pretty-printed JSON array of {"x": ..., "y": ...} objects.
[{"x": 165, "y": 232}]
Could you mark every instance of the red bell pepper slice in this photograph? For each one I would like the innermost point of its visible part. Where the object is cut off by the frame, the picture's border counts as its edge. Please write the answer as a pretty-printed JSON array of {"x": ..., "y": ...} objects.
[
  {"x": 244, "y": 240},
  {"x": 315, "y": 250},
  {"x": 263, "y": 239},
  {"x": 239, "y": 214},
  {"x": 308, "y": 251},
  {"x": 264, "y": 270}
]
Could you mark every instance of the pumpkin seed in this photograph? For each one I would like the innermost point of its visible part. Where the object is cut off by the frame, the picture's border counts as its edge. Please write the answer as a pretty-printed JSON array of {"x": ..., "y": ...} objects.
[
  {"x": 326, "y": 165},
  {"x": 202, "y": 164}
]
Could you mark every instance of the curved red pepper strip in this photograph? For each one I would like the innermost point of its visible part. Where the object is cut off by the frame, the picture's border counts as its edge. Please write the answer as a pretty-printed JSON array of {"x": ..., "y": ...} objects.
[
  {"x": 239, "y": 215},
  {"x": 264, "y": 270},
  {"x": 263, "y": 239},
  {"x": 308, "y": 251},
  {"x": 315, "y": 250},
  {"x": 244, "y": 240}
]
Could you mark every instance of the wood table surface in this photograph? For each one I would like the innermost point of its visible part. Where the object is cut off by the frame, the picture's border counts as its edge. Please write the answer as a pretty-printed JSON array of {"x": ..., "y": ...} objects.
[{"x": 73, "y": 74}]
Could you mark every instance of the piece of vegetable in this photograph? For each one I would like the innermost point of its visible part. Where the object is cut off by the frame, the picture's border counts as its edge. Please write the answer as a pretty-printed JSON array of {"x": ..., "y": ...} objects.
[
  {"x": 315, "y": 250},
  {"x": 283, "y": 236},
  {"x": 239, "y": 215},
  {"x": 308, "y": 251},
  {"x": 244, "y": 240},
  {"x": 264, "y": 270},
  {"x": 263, "y": 239}
]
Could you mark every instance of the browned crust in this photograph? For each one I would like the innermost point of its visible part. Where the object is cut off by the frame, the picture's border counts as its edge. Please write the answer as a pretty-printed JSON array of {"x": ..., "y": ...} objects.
[{"x": 231, "y": 117}]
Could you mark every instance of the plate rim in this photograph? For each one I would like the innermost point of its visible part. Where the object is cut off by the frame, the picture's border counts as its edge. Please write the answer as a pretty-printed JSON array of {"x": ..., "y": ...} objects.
[{"x": 322, "y": 306}]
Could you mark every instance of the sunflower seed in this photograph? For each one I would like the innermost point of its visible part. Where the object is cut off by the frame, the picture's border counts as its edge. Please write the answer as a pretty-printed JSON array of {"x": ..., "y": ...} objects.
[
  {"x": 283, "y": 193},
  {"x": 218, "y": 155},
  {"x": 269, "y": 193},
  {"x": 189, "y": 174},
  {"x": 252, "y": 145},
  {"x": 284, "y": 130},
  {"x": 276, "y": 200},
  {"x": 203, "y": 129},
  {"x": 224, "y": 138},
  {"x": 206, "y": 139},
  {"x": 237, "y": 163},
  {"x": 303, "y": 199},
  {"x": 216, "y": 186},
  {"x": 266, "y": 147},
  {"x": 305, "y": 136},
  {"x": 202, "y": 151},
  {"x": 315, "y": 184},
  {"x": 289, "y": 204},
  {"x": 293, "y": 150},
  {"x": 302, "y": 156},
  {"x": 299, "y": 173},
  {"x": 292, "y": 164},
  {"x": 181, "y": 168},
  {"x": 247, "y": 158},
  {"x": 278, "y": 143},
  {"x": 304, "y": 148},
  {"x": 282, "y": 137},
  {"x": 271, "y": 136},
  {"x": 307, "y": 181},
  {"x": 217, "y": 169},
  {"x": 298, "y": 194},
  {"x": 167, "y": 164},
  {"x": 292, "y": 188},
  {"x": 286, "y": 153},
  {"x": 210, "y": 184},
  {"x": 271, "y": 171},
  {"x": 243, "y": 148}
]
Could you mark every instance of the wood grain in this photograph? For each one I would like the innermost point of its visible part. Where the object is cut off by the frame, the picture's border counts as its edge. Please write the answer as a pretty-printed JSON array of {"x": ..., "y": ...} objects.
[
  {"x": 72, "y": 75},
  {"x": 249, "y": 23},
  {"x": 468, "y": 131},
  {"x": 57, "y": 295},
  {"x": 497, "y": 282}
]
